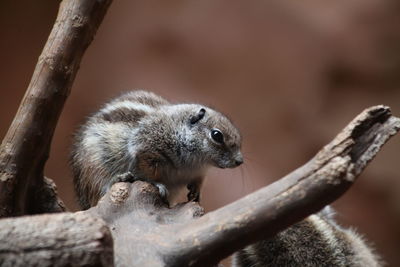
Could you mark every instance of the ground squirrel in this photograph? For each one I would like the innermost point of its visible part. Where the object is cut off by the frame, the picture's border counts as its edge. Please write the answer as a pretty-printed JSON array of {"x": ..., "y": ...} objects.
[
  {"x": 141, "y": 136},
  {"x": 317, "y": 241}
]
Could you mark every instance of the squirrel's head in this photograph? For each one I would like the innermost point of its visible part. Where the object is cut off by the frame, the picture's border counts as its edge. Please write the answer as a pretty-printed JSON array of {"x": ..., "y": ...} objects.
[{"x": 220, "y": 139}]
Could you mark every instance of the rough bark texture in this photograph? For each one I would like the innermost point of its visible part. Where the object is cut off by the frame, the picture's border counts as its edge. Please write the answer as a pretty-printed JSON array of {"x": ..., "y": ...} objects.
[
  {"x": 64, "y": 239},
  {"x": 25, "y": 148}
]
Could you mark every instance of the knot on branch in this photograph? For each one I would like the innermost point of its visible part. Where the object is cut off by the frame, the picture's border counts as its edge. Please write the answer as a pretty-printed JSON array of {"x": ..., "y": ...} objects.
[{"x": 119, "y": 193}]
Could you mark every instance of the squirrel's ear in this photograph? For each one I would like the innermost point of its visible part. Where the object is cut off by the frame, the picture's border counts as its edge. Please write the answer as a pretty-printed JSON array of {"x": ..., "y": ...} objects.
[{"x": 198, "y": 116}]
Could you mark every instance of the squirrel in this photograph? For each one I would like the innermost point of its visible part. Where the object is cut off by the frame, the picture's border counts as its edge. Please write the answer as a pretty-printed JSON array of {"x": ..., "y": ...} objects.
[
  {"x": 317, "y": 241},
  {"x": 142, "y": 136}
]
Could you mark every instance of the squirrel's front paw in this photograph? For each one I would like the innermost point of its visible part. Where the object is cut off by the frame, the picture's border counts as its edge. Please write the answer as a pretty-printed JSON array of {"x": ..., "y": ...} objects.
[
  {"x": 126, "y": 177},
  {"x": 194, "y": 193},
  {"x": 162, "y": 189}
]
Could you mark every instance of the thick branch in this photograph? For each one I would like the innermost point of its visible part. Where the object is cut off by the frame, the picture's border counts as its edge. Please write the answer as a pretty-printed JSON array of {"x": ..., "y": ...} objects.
[
  {"x": 26, "y": 145},
  {"x": 64, "y": 239}
]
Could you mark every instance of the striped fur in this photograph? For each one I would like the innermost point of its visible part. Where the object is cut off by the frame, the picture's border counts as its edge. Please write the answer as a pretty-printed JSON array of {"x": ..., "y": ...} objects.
[
  {"x": 153, "y": 139},
  {"x": 317, "y": 241}
]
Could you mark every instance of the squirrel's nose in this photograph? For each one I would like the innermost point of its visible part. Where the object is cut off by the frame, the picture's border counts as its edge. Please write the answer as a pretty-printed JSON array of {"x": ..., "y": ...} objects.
[{"x": 239, "y": 160}]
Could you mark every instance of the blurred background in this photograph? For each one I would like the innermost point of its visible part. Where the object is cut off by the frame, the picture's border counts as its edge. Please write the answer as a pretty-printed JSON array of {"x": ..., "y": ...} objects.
[{"x": 290, "y": 74}]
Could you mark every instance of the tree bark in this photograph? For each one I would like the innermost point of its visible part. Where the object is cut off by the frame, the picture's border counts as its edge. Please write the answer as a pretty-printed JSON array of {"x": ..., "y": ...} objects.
[
  {"x": 26, "y": 146},
  {"x": 64, "y": 239}
]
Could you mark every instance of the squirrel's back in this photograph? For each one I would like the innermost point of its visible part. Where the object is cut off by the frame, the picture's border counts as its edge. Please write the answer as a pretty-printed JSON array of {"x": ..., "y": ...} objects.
[
  {"x": 317, "y": 241},
  {"x": 97, "y": 149}
]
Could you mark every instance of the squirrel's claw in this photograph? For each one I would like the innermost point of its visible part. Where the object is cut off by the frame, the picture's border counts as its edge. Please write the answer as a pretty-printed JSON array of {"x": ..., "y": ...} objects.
[
  {"x": 126, "y": 177},
  {"x": 194, "y": 193}
]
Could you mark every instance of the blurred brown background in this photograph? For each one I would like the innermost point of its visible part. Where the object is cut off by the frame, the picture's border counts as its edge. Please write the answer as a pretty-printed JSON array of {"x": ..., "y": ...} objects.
[{"x": 289, "y": 74}]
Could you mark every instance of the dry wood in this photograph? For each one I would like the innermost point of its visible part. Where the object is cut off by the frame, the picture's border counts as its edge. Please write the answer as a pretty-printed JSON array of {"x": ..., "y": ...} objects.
[
  {"x": 64, "y": 239},
  {"x": 26, "y": 145}
]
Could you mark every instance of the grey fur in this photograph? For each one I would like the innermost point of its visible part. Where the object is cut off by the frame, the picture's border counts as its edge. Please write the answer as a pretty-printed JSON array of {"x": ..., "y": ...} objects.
[
  {"x": 317, "y": 241},
  {"x": 142, "y": 133}
]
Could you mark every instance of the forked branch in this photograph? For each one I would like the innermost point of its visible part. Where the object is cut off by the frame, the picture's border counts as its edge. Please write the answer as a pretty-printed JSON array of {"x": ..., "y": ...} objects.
[{"x": 146, "y": 232}]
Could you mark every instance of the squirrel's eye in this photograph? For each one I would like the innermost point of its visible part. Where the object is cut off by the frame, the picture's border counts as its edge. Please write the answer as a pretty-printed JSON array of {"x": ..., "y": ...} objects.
[{"x": 217, "y": 136}]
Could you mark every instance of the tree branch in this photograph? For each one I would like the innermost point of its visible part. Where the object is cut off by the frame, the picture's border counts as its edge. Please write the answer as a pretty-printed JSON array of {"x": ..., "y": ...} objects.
[
  {"x": 64, "y": 239},
  {"x": 26, "y": 145},
  {"x": 146, "y": 232}
]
